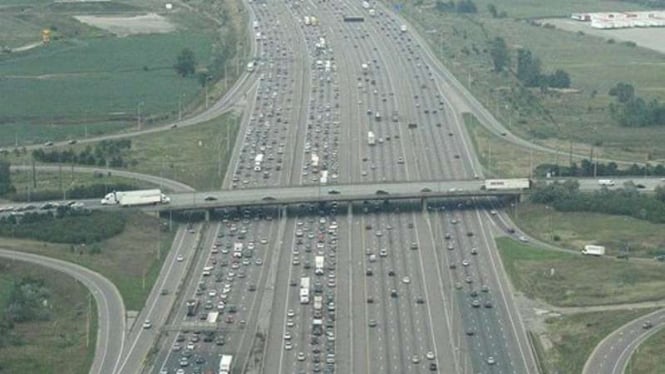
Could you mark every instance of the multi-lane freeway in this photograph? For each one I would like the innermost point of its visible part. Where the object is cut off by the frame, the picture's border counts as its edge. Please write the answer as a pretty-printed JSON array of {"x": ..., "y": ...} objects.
[
  {"x": 338, "y": 111},
  {"x": 392, "y": 293}
]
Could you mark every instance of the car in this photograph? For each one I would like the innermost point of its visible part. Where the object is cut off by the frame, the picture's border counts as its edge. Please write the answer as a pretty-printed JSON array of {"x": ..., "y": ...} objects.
[
  {"x": 523, "y": 239},
  {"x": 391, "y": 273},
  {"x": 493, "y": 212},
  {"x": 491, "y": 360},
  {"x": 469, "y": 234},
  {"x": 147, "y": 324},
  {"x": 372, "y": 323},
  {"x": 382, "y": 192},
  {"x": 210, "y": 198},
  {"x": 474, "y": 251},
  {"x": 164, "y": 292},
  {"x": 301, "y": 356},
  {"x": 488, "y": 304},
  {"x": 510, "y": 230},
  {"x": 290, "y": 313},
  {"x": 466, "y": 262},
  {"x": 406, "y": 280},
  {"x": 420, "y": 300},
  {"x": 180, "y": 258},
  {"x": 370, "y": 300},
  {"x": 432, "y": 366},
  {"x": 369, "y": 272},
  {"x": 393, "y": 293},
  {"x": 414, "y": 245},
  {"x": 415, "y": 359},
  {"x": 475, "y": 303},
  {"x": 647, "y": 325},
  {"x": 640, "y": 186},
  {"x": 333, "y": 192},
  {"x": 470, "y": 332},
  {"x": 429, "y": 355}
]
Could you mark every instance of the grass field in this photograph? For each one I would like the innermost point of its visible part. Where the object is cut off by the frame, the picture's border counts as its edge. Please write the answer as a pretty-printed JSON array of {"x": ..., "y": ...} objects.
[
  {"x": 575, "y": 229},
  {"x": 88, "y": 82},
  {"x": 130, "y": 260},
  {"x": 572, "y": 338},
  {"x": 564, "y": 279},
  {"x": 648, "y": 357},
  {"x": 57, "y": 345},
  {"x": 501, "y": 158},
  {"x": 200, "y": 159},
  {"x": 593, "y": 64}
]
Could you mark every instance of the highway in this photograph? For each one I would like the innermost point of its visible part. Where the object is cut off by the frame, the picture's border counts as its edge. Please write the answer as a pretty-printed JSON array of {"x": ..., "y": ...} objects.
[
  {"x": 612, "y": 354},
  {"x": 111, "y": 333}
]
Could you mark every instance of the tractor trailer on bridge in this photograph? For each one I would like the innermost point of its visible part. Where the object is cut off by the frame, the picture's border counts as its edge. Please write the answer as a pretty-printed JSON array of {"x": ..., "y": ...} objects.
[
  {"x": 506, "y": 184},
  {"x": 135, "y": 198}
]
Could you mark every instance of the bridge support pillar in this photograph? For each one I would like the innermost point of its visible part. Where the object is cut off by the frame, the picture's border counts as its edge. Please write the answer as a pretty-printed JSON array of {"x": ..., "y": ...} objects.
[
  {"x": 208, "y": 213},
  {"x": 423, "y": 204}
]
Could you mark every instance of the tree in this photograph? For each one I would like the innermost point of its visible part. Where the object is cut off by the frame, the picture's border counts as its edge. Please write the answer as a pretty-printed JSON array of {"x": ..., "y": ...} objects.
[
  {"x": 660, "y": 193},
  {"x": 466, "y": 6},
  {"x": 528, "y": 68},
  {"x": 624, "y": 92},
  {"x": 492, "y": 9},
  {"x": 5, "y": 178},
  {"x": 560, "y": 79},
  {"x": 185, "y": 63},
  {"x": 499, "y": 53}
]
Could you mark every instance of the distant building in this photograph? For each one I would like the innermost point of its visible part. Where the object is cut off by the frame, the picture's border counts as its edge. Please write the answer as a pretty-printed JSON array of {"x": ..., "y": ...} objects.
[{"x": 622, "y": 20}]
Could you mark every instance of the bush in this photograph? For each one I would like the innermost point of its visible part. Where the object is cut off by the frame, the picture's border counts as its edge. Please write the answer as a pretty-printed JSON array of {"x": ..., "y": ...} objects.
[{"x": 64, "y": 226}]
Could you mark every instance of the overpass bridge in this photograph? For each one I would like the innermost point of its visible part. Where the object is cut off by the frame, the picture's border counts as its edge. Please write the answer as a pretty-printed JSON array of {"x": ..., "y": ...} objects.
[{"x": 326, "y": 193}]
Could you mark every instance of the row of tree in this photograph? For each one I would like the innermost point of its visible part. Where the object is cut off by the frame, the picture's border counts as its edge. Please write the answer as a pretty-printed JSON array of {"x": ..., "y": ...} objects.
[
  {"x": 633, "y": 111},
  {"x": 528, "y": 69},
  {"x": 566, "y": 197},
  {"x": 460, "y": 6},
  {"x": 106, "y": 152},
  {"x": 588, "y": 168},
  {"x": 74, "y": 226}
]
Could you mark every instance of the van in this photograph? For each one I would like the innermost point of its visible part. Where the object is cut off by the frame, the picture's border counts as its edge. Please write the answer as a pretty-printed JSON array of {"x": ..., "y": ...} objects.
[{"x": 606, "y": 182}]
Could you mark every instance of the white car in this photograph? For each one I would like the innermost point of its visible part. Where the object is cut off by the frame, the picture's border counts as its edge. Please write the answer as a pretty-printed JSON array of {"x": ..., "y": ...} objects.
[
  {"x": 147, "y": 324},
  {"x": 180, "y": 258}
]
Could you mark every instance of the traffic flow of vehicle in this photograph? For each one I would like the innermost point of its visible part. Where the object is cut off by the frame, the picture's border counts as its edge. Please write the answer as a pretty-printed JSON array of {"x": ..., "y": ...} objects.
[{"x": 375, "y": 287}]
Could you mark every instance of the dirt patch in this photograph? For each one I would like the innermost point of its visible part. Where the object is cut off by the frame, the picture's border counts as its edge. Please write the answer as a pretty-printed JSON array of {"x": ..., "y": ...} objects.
[{"x": 150, "y": 23}]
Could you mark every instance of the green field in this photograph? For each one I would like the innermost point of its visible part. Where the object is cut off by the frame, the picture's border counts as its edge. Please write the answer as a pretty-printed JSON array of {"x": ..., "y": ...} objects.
[
  {"x": 564, "y": 279},
  {"x": 130, "y": 260},
  {"x": 571, "y": 339},
  {"x": 59, "y": 344},
  {"x": 575, "y": 229},
  {"x": 98, "y": 80},
  {"x": 594, "y": 66},
  {"x": 648, "y": 357},
  {"x": 88, "y": 82}
]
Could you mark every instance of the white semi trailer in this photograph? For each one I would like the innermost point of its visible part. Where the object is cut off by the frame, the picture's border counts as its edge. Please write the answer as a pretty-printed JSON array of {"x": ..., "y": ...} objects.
[
  {"x": 593, "y": 250},
  {"x": 135, "y": 198}
]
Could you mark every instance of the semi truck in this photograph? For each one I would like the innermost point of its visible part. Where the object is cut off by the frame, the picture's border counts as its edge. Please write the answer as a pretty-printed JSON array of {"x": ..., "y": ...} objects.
[
  {"x": 371, "y": 139},
  {"x": 304, "y": 290},
  {"x": 318, "y": 265},
  {"x": 258, "y": 160},
  {"x": 212, "y": 317},
  {"x": 324, "y": 177},
  {"x": 593, "y": 250},
  {"x": 135, "y": 198},
  {"x": 225, "y": 364},
  {"x": 192, "y": 306},
  {"x": 318, "y": 302},
  {"x": 507, "y": 184}
]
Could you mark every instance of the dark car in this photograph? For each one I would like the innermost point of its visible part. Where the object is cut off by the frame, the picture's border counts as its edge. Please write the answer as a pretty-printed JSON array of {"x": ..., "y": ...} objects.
[{"x": 210, "y": 198}]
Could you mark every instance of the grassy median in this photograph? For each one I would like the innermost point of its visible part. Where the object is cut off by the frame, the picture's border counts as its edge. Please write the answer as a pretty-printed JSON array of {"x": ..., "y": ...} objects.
[
  {"x": 64, "y": 342},
  {"x": 648, "y": 358}
]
